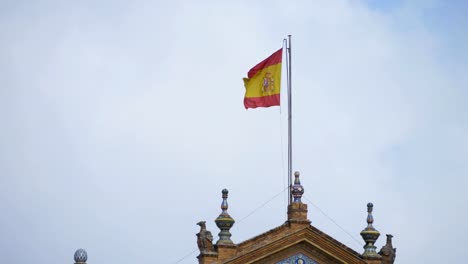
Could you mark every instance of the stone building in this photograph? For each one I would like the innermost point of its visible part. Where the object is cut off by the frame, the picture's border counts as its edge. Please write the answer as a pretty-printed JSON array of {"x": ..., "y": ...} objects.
[{"x": 294, "y": 242}]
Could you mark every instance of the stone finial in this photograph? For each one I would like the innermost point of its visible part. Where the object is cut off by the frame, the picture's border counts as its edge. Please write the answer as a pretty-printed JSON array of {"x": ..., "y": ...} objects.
[
  {"x": 297, "y": 211},
  {"x": 224, "y": 222},
  {"x": 388, "y": 252},
  {"x": 297, "y": 189},
  {"x": 80, "y": 256},
  {"x": 370, "y": 235}
]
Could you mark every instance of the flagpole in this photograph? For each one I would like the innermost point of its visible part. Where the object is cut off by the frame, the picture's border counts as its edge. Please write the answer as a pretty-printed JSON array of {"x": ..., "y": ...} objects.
[{"x": 289, "y": 83}]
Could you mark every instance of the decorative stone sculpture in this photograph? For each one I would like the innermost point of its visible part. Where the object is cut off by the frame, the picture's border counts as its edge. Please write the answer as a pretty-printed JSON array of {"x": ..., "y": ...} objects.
[
  {"x": 388, "y": 252},
  {"x": 204, "y": 239}
]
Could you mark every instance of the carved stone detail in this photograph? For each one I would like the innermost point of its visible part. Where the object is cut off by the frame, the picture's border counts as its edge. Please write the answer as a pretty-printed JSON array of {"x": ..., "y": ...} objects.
[
  {"x": 205, "y": 240},
  {"x": 388, "y": 252}
]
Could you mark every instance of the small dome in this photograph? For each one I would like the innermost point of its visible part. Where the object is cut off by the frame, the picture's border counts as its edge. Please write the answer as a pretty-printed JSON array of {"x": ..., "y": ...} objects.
[{"x": 81, "y": 255}]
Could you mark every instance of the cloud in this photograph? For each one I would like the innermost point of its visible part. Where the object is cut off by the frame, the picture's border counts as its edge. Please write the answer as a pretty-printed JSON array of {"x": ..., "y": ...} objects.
[{"x": 122, "y": 122}]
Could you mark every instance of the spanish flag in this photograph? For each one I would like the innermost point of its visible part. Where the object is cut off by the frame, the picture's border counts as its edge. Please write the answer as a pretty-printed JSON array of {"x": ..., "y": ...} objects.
[{"x": 262, "y": 87}]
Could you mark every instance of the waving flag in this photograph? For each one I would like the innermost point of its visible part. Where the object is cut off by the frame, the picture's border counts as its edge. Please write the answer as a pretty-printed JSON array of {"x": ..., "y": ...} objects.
[{"x": 262, "y": 87}]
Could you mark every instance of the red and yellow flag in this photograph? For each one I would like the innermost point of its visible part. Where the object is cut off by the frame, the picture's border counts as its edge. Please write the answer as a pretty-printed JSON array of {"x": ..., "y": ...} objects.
[{"x": 262, "y": 87}]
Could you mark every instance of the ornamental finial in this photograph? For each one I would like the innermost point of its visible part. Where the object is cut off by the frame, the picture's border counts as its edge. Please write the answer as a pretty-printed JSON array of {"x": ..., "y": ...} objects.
[
  {"x": 370, "y": 218},
  {"x": 224, "y": 221},
  {"x": 80, "y": 256},
  {"x": 370, "y": 235},
  {"x": 297, "y": 189}
]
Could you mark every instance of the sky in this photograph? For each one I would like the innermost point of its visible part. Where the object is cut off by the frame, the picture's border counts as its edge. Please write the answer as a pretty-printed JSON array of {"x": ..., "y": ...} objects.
[{"x": 122, "y": 121}]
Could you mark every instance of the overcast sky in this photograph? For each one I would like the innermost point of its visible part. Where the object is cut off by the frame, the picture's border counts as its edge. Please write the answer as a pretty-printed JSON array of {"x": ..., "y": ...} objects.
[{"x": 122, "y": 121}]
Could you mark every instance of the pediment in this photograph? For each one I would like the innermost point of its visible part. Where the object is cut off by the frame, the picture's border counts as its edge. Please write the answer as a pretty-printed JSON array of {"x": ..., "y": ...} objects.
[{"x": 285, "y": 246}]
